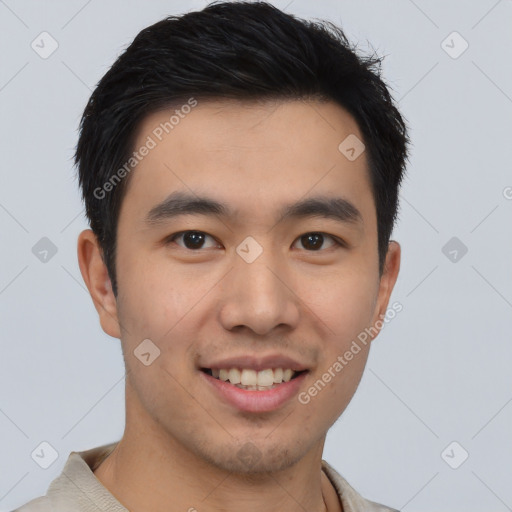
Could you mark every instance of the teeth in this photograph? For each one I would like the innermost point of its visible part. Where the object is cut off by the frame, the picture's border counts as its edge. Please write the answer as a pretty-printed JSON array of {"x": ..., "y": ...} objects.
[
  {"x": 265, "y": 378},
  {"x": 287, "y": 374},
  {"x": 234, "y": 376},
  {"x": 248, "y": 377},
  {"x": 256, "y": 388}
]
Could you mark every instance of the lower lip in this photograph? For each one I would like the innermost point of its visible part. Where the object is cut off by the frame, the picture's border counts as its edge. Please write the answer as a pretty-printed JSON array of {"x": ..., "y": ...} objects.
[{"x": 256, "y": 401}]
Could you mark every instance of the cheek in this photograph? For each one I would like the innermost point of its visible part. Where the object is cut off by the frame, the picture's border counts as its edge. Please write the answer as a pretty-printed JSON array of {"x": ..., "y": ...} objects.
[
  {"x": 163, "y": 305},
  {"x": 154, "y": 295},
  {"x": 345, "y": 309},
  {"x": 344, "y": 304},
  {"x": 335, "y": 383}
]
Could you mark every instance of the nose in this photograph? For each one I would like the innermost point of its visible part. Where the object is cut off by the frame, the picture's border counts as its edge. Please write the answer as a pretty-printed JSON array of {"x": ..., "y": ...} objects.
[{"x": 259, "y": 296}]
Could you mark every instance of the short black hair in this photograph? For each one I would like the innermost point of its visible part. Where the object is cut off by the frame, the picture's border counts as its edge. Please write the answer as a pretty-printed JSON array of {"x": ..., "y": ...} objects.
[{"x": 246, "y": 51}]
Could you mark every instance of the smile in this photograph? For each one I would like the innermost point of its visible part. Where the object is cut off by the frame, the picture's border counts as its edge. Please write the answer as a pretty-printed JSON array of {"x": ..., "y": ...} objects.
[{"x": 252, "y": 391}]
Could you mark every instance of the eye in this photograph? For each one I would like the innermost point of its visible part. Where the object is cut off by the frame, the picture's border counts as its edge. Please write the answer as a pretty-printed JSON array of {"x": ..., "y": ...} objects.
[
  {"x": 314, "y": 241},
  {"x": 195, "y": 240},
  {"x": 192, "y": 239}
]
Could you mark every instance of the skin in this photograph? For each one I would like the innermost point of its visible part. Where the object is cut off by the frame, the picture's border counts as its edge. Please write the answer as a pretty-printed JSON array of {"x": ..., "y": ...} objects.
[{"x": 179, "y": 449}]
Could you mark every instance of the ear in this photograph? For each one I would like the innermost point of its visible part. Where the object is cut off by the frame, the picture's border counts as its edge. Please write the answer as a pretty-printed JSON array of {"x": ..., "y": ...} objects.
[
  {"x": 95, "y": 275},
  {"x": 386, "y": 285}
]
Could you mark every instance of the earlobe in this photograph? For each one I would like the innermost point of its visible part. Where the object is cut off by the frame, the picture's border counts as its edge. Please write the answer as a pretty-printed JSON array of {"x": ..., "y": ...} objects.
[{"x": 97, "y": 280}]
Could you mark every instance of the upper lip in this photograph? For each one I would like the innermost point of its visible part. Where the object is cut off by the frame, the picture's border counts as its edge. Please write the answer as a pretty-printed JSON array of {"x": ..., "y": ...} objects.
[{"x": 257, "y": 363}]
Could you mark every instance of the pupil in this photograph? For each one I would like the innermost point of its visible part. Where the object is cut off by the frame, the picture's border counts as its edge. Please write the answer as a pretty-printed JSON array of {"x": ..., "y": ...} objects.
[
  {"x": 194, "y": 239},
  {"x": 316, "y": 237}
]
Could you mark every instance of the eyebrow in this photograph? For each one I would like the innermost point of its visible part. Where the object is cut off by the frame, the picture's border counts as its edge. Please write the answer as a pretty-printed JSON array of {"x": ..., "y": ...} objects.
[{"x": 182, "y": 203}]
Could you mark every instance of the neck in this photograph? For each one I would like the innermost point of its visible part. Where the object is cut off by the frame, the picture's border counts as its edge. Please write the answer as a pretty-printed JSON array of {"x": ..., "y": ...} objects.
[
  {"x": 150, "y": 470},
  {"x": 143, "y": 477}
]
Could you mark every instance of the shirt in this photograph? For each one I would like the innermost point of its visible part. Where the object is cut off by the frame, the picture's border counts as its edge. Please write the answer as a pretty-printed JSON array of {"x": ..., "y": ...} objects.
[{"x": 77, "y": 489}]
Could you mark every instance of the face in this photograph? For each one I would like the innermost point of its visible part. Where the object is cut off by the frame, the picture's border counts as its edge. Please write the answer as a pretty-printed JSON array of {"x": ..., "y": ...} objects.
[{"x": 254, "y": 278}]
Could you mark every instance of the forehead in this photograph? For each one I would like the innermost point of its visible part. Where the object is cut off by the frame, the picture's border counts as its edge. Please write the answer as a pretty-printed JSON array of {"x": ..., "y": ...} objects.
[{"x": 253, "y": 155}]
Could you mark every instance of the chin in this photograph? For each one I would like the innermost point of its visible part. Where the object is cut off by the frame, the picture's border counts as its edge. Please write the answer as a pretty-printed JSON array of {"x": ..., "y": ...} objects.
[{"x": 252, "y": 457}]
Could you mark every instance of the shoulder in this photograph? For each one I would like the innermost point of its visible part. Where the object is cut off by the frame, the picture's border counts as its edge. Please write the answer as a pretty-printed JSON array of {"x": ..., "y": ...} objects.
[
  {"x": 350, "y": 499},
  {"x": 76, "y": 489},
  {"x": 40, "y": 504}
]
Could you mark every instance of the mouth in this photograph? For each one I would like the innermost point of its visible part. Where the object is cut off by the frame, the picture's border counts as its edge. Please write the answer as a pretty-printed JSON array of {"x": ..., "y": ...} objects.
[
  {"x": 252, "y": 380},
  {"x": 254, "y": 392}
]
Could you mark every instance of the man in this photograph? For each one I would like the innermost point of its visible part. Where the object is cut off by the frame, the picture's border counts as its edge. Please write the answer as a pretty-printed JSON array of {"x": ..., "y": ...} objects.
[{"x": 240, "y": 170}]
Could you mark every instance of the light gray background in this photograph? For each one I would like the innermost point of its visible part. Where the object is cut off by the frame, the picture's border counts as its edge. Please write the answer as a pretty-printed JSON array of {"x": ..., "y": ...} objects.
[{"x": 439, "y": 372}]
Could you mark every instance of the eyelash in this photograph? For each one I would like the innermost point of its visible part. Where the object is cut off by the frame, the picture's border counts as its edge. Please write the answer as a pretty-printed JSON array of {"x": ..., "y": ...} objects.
[{"x": 338, "y": 241}]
